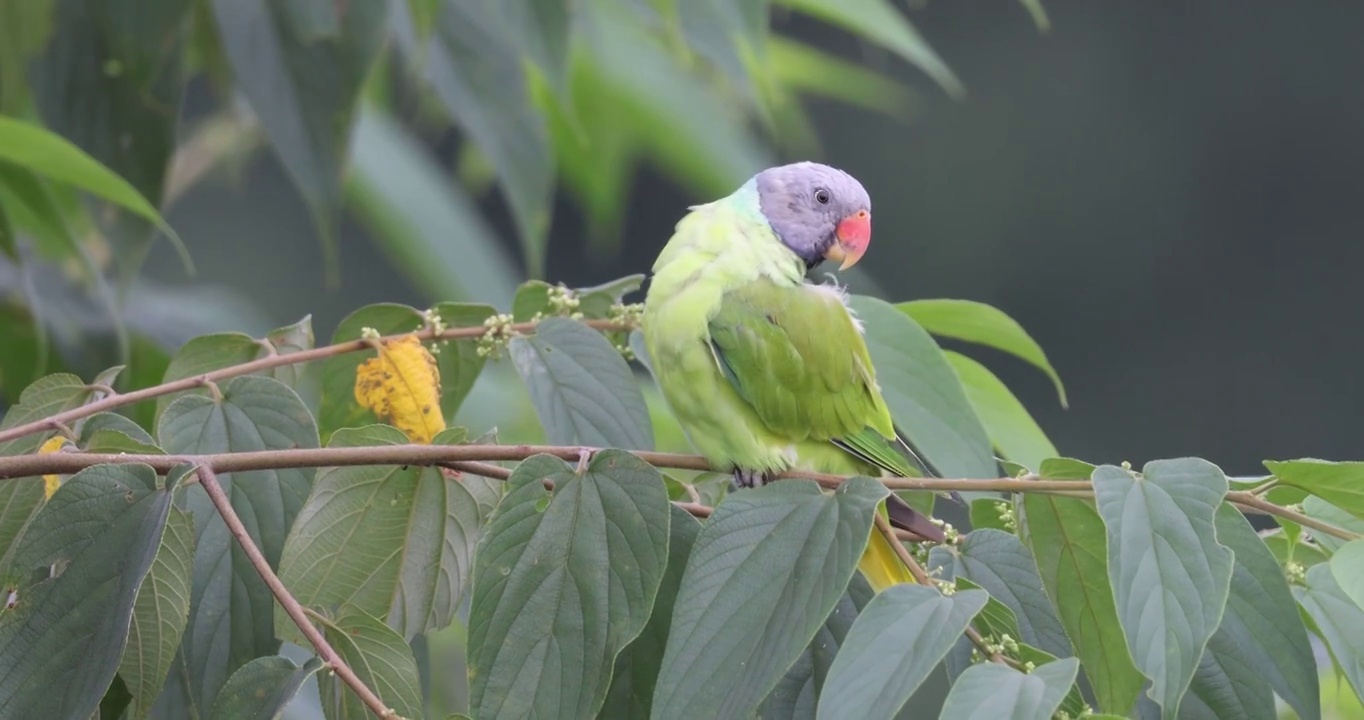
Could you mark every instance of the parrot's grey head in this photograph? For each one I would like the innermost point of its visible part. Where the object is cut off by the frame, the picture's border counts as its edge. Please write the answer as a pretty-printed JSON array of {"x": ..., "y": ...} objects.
[{"x": 819, "y": 212}]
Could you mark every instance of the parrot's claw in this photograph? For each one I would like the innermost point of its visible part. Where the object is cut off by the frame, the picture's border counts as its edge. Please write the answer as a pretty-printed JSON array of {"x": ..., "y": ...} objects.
[{"x": 751, "y": 478}]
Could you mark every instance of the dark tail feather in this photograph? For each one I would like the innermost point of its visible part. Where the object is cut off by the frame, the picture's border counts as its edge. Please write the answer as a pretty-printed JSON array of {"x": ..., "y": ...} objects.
[
  {"x": 907, "y": 518},
  {"x": 924, "y": 466}
]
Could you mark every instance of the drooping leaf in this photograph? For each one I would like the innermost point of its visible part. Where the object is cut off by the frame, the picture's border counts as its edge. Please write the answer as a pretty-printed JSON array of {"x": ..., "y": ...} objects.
[
  {"x": 923, "y": 393},
  {"x": 1265, "y": 631},
  {"x": 303, "y": 86},
  {"x": 897, "y": 640},
  {"x": 472, "y": 64},
  {"x": 262, "y": 687},
  {"x": 379, "y": 657},
  {"x": 998, "y": 561},
  {"x": 583, "y": 390},
  {"x": 1068, "y": 542},
  {"x": 880, "y": 22},
  {"x": 993, "y": 690},
  {"x": 577, "y": 571},
  {"x": 1170, "y": 575},
  {"x": 159, "y": 615},
  {"x": 427, "y": 225},
  {"x": 231, "y": 618},
  {"x": 630, "y": 696},
  {"x": 76, "y": 574},
  {"x": 978, "y": 322},
  {"x": 766, "y": 571},
  {"x": 1339, "y": 483},
  {"x": 395, "y": 542},
  {"x": 1012, "y": 430},
  {"x": 338, "y": 407},
  {"x": 1338, "y": 619}
]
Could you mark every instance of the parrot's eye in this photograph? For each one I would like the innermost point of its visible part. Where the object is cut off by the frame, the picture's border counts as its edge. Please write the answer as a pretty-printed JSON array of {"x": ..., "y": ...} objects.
[{"x": 822, "y": 196}]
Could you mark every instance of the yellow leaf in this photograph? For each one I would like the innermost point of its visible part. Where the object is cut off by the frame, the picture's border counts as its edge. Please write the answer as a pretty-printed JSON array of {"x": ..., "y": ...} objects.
[
  {"x": 51, "y": 482},
  {"x": 402, "y": 386}
]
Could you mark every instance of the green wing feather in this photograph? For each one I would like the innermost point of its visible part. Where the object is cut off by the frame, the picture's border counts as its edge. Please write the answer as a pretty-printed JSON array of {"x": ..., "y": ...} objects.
[{"x": 795, "y": 355}]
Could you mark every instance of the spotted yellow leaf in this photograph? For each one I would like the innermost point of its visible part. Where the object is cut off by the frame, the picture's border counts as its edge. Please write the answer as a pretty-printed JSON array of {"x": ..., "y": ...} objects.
[
  {"x": 51, "y": 482},
  {"x": 402, "y": 386}
]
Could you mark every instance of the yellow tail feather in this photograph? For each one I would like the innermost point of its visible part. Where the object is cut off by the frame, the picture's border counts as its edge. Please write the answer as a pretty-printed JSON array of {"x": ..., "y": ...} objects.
[{"x": 881, "y": 565}]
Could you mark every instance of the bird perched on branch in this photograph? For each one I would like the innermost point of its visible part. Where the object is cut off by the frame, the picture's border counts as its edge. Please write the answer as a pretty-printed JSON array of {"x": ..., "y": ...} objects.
[{"x": 764, "y": 370}]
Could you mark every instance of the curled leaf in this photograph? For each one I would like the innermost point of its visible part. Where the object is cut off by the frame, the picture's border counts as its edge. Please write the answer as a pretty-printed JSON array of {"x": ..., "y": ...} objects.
[{"x": 402, "y": 386}]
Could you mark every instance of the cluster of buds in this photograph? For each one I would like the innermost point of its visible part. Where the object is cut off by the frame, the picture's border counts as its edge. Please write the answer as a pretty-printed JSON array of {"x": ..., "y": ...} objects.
[
  {"x": 436, "y": 324},
  {"x": 563, "y": 302},
  {"x": 631, "y": 315},
  {"x": 1295, "y": 572},
  {"x": 496, "y": 337},
  {"x": 1006, "y": 515},
  {"x": 1063, "y": 715},
  {"x": 950, "y": 534}
]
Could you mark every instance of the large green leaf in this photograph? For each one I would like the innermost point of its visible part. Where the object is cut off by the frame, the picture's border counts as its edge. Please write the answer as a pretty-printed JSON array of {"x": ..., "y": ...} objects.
[
  {"x": 923, "y": 392},
  {"x": 159, "y": 615},
  {"x": 576, "y": 571},
  {"x": 472, "y": 64},
  {"x": 427, "y": 225},
  {"x": 636, "y": 670},
  {"x": 54, "y": 157},
  {"x": 1347, "y": 564},
  {"x": 1013, "y": 432},
  {"x": 1265, "y": 631},
  {"x": 998, "y": 561},
  {"x": 896, "y": 641},
  {"x": 1069, "y": 544},
  {"x": 262, "y": 687},
  {"x": 984, "y": 324},
  {"x": 1226, "y": 685},
  {"x": 302, "y": 79},
  {"x": 1169, "y": 573},
  {"x": 215, "y": 351},
  {"x": 583, "y": 390},
  {"x": 60, "y": 644},
  {"x": 880, "y": 22},
  {"x": 1338, "y": 619},
  {"x": 1319, "y": 509},
  {"x": 766, "y": 571},
  {"x": 1339, "y": 483},
  {"x": 542, "y": 28},
  {"x": 113, "y": 88},
  {"x": 394, "y": 541},
  {"x": 993, "y": 690},
  {"x": 231, "y": 617},
  {"x": 459, "y": 360},
  {"x": 379, "y": 657}
]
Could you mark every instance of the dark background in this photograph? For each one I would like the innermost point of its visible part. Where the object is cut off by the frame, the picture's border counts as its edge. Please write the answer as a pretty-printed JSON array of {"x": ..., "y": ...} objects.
[{"x": 1165, "y": 195}]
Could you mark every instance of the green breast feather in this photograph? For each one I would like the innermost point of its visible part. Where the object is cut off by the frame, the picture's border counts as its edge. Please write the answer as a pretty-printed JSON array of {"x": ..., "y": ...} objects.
[{"x": 795, "y": 354}]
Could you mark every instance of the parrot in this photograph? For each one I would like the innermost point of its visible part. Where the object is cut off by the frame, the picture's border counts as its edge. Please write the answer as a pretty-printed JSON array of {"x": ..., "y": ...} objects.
[{"x": 764, "y": 370}]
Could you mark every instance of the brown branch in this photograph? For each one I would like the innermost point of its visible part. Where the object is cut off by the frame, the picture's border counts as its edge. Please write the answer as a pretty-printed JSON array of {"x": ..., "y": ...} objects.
[
  {"x": 1255, "y": 503},
  {"x": 265, "y": 363},
  {"x": 209, "y": 480},
  {"x": 921, "y": 576}
]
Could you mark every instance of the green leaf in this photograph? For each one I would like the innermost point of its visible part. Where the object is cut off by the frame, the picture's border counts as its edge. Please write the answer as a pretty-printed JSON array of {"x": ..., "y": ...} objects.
[
  {"x": 1265, "y": 631},
  {"x": 231, "y": 616},
  {"x": 262, "y": 687},
  {"x": 923, "y": 392},
  {"x": 159, "y": 615},
  {"x": 1339, "y": 483},
  {"x": 92, "y": 428},
  {"x": 1069, "y": 544},
  {"x": 879, "y": 22},
  {"x": 288, "y": 340},
  {"x": 24, "y": 28},
  {"x": 1286, "y": 551},
  {"x": 114, "y": 89},
  {"x": 46, "y": 397},
  {"x": 636, "y": 668},
  {"x": 1347, "y": 564},
  {"x": 337, "y": 407},
  {"x": 394, "y": 541},
  {"x": 474, "y": 68},
  {"x": 304, "y": 87},
  {"x": 1012, "y": 429},
  {"x": 977, "y": 322},
  {"x": 98, "y": 534},
  {"x": 1225, "y": 685},
  {"x": 459, "y": 361},
  {"x": 1338, "y": 619},
  {"x": 427, "y": 225},
  {"x": 8, "y": 241},
  {"x": 206, "y": 353},
  {"x": 379, "y": 657},
  {"x": 583, "y": 391},
  {"x": 766, "y": 571},
  {"x": 1319, "y": 509},
  {"x": 1170, "y": 576},
  {"x": 998, "y": 561},
  {"x": 988, "y": 513},
  {"x": 872, "y": 676},
  {"x": 542, "y": 29},
  {"x": 992, "y": 690},
  {"x": 577, "y": 573},
  {"x": 532, "y": 298}
]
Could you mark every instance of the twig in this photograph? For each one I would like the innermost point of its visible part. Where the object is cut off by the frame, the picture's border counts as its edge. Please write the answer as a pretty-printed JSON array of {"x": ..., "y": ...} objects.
[
  {"x": 209, "y": 480},
  {"x": 265, "y": 363},
  {"x": 1253, "y": 502},
  {"x": 921, "y": 577}
]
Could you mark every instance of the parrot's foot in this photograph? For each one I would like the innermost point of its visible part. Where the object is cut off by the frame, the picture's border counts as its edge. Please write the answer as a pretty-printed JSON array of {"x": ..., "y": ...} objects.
[{"x": 751, "y": 478}]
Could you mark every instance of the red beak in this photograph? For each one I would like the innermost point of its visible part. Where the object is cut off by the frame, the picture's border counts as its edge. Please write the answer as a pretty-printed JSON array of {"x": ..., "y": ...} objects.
[{"x": 853, "y": 235}]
